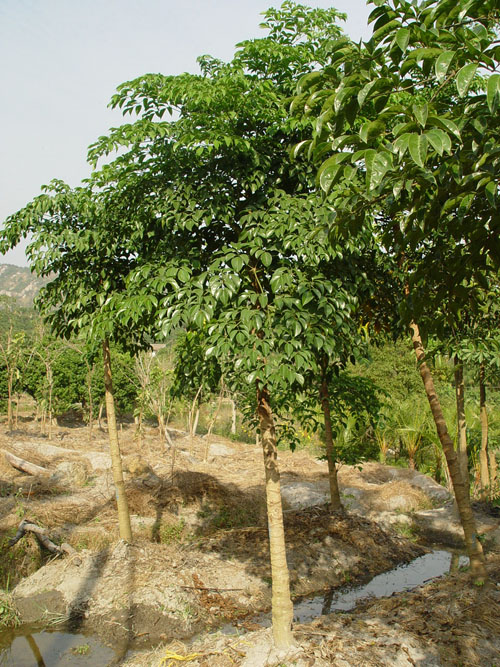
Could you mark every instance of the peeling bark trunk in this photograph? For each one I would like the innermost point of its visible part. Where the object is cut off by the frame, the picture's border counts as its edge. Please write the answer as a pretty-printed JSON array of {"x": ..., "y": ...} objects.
[
  {"x": 330, "y": 454},
  {"x": 114, "y": 446},
  {"x": 282, "y": 608},
  {"x": 463, "y": 459},
  {"x": 474, "y": 548},
  {"x": 483, "y": 452}
]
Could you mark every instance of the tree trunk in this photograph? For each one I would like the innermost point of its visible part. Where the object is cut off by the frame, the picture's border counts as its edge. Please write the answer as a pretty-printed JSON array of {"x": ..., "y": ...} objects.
[
  {"x": 91, "y": 405},
  {"x": 49, "y": 409},
  {"x": 114, "y": 446},
  {"x": 282, "y": 608},
  {"x": 330, "y": 454},
  {"x": 483, "y": 452},
  {"x": 10, "y": 383},
  {"x": 194, "y": 413},
  {"x": 461, "y": 424},
  {"x": 18, "y": 399},
  {"x": 493, "y": 470},
  {"x": 474, "y": 548},
  {"x": 233, "y": 417},
  {"x": 99, "y": 417}
]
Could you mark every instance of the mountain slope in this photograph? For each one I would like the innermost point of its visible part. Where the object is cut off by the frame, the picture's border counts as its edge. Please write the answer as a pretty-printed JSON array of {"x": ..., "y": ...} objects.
[{"x": 18, "y": 282}]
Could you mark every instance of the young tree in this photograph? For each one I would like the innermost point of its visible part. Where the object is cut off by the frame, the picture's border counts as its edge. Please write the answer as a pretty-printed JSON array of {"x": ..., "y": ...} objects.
[
  {"x": 414, "y": 135},
  {"x": 215, "y": 190},
  {"x": 72, "y": 241}
]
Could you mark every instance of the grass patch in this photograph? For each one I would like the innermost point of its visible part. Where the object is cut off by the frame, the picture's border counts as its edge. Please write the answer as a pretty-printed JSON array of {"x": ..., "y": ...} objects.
[
  {"x": 172, "y": 533},
  {"x": 9, "y": 617},
  {"x": 18, "y": 561},
  {"x": 228, "y": 517},
  {"x": 406, "y": 530}
]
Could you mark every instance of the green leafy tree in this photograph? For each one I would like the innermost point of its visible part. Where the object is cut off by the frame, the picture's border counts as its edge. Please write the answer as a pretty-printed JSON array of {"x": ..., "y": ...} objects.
[
  {"x": 213, "y": 210},
  {"x": 413, "y": 128},
  {"x": 73, "y": 241}
]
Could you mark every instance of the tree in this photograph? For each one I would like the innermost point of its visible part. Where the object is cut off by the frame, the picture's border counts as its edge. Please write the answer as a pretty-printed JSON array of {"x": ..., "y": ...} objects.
[
  {"x": 414, "y": 134},
  {"x": 72, "y": 241},
  {"x": 215, "y": 192}
]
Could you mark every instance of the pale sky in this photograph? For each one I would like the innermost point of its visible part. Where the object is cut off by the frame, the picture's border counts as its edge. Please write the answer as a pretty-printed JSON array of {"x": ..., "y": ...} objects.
[{"x": 62, "y": 60}]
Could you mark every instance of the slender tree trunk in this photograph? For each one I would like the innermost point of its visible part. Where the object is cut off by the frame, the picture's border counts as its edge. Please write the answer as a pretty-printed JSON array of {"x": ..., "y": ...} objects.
[
  {"x": 18, "y": 399},
  {"x": 483, "y": 452},
  {"x": 330, "y": 454},
  {"x": 91, "y": 405},
  {"x": 282, "y": 608},
  {"x": 50, "y": 386},
  {"x": 463, "y": 458},
  {"x": 194, "y": 413},
  {"x": 114, "y": 446},
  {"x": 493, "y": 470},
  {"x": 10, "y": 382},
  {"x": 233, "y": 417},
  {"x": 196, "y": 420},
  {"x": 99, "y": 416},
  {"x": 212, "y": 424},
  {"x": 474, "y": 548}
]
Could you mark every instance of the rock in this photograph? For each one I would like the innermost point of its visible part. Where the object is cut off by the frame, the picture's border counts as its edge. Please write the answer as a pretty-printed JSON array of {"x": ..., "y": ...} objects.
[
  {"x": 218, "y": 449},
  {"x": 302, "y": 494},
  {"x": 429, "y": 486}
]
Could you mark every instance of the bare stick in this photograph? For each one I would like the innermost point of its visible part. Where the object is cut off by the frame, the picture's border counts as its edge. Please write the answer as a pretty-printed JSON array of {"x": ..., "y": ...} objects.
[
  {"x": 42, "y": 538},
  {"x": 25, "y": 466}
]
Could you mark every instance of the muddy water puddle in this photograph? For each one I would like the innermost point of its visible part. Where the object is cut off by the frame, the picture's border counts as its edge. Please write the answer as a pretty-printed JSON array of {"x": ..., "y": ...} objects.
[
  {"x": 27, "y": 646},
  {"x": 60, "y": 649},
  {"x": 400, "y": 579}
]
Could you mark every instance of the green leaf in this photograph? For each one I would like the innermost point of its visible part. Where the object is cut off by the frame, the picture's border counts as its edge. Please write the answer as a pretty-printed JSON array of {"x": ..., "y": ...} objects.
[
  {"x": 365, "y": 91},
  {"x": 377, "y": 165},
  {"x": 421, "y": 112},
  {"x": 183, "y": 275},
  {"x": 445, "y": 124},
  {"x": 465, "y": 77},
  {"x": 297, "y": 149},
  {"x": 266, "y": 258},
  {"x": 493, "y": 92},
  {"x": 401, "y": 144},
  {"x": 443, "y": 63},
  {"x": 371, "y": 130},
  {"x": 328, "y": 173},
  {"x": 382, "y": 32},
  {"x": 439, "y": 140},
  {"x": 417, "y": 145},
  {"x": 237, "y": 263},
  {"x": 402, "y": 38},
  {"x": 491, "y": 193},
  {"x": 308, "y": 80}
]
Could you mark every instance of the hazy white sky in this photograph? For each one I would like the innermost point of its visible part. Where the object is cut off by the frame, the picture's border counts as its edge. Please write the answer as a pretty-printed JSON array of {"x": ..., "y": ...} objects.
[{"x": 62, "y": 60}]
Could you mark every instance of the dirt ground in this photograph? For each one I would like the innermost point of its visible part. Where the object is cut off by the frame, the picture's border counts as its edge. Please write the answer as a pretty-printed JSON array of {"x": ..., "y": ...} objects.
[{"x": 200, "y": 554}]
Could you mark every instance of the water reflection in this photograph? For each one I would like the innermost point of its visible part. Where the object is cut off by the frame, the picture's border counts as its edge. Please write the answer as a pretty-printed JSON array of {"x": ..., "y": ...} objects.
[{"x": 402, "y": 578}]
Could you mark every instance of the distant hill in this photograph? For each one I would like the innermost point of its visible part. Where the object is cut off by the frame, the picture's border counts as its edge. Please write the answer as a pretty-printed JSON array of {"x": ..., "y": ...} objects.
[{"x": 18, "y": 282}]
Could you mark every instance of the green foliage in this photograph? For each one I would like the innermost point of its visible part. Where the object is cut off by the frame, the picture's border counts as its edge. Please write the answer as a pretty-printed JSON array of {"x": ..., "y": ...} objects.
[
  {"x": 9, "y": 616},
  {"x": 414, "y": 134},
  {"x": 172, "y": 533},
  {"x": 20, "y": 318}
]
